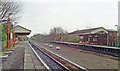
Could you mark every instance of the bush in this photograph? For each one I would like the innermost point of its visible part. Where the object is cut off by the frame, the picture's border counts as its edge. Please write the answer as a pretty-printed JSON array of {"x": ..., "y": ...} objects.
[{"x": 4, "y": 44}]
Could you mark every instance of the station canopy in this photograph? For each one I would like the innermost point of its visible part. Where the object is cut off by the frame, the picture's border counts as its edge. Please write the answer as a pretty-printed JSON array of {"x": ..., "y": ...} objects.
[{"x": 19, "y": 30}]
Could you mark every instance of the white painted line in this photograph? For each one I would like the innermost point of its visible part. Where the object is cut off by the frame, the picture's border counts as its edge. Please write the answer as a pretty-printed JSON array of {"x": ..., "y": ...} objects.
[
  {"x": 3, "y": 56},
  {"x": 40, "y": 58},
  {"x": 65, "y": 59}
]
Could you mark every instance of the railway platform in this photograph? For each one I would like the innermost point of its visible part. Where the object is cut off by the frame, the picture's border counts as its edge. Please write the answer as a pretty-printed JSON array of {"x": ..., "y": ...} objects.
[
  {"x": 15, "y": 60},
  {"x": 30, "y": 59},
  {"x": 23, "y": 58}
]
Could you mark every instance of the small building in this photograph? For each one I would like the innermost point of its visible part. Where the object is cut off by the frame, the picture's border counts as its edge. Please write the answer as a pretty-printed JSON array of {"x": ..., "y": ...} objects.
[
  {"x": 20, "y": 32},
  {"x": 98, "y": 36}
]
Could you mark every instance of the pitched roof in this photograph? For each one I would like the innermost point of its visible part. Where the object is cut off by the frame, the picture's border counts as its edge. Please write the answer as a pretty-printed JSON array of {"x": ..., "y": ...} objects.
[
  {"x": 20, "y": 29},
  {"x": 111, "y": 30},
  {"x": 86, "y": 30}
]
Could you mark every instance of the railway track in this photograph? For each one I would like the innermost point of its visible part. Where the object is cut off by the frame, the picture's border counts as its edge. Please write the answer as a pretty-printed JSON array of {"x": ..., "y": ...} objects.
[
  {"x": 100, "y": 51},
  {"x": 53, "y": 62}
]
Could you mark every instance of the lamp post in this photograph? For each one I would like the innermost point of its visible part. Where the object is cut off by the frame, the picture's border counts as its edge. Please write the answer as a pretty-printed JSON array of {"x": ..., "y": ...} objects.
[
  {"x": 14, "y": 33},
  {"x": 8, "y": 28},
  {"x": 117, "y": 35}
]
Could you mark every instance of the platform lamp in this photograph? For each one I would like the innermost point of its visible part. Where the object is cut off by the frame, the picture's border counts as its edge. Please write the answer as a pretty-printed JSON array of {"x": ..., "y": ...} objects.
[
  {"x": 117, "y": 35},
  {"x": 8, "y": 28},
  {"x": 14, "y": 33}
]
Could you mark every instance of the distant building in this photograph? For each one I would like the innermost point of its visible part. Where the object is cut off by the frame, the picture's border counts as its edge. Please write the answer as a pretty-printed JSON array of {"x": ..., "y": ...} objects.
[{"x": 98, "y": 36}]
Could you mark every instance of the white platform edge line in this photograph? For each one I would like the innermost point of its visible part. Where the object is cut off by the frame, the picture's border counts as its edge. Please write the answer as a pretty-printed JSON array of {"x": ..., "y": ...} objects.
[
  {"x": 65, "y": 59},
  {"x": 40, "y": 59}
]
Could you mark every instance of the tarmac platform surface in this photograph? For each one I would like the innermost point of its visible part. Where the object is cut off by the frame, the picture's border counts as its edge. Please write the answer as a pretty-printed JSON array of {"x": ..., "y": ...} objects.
[{"x": 22, "y": 58}]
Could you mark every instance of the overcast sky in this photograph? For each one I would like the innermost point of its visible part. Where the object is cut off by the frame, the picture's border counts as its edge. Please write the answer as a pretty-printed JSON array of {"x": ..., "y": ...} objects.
[{"x": 42, "y": 15}]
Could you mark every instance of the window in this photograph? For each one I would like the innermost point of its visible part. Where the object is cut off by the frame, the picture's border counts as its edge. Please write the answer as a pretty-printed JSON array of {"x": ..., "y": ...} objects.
[
  {"x": 110, "y": 34},
  {"x": 81, "y": 37},
  {"x": 90, "y": 36},
  {"x": 88, "y": 39},
  {"x": 94, "y": 39}
]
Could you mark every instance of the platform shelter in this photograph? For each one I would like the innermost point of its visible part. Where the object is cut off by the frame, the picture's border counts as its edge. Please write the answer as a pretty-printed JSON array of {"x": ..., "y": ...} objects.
[{"x": 20, "y": 32}]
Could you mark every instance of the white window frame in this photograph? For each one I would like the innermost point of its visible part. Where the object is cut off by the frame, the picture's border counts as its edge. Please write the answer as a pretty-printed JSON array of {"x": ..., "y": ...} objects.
[
  {"x": 81, "y": 37},
  {"x": 88, "y": 38},
  {"x": 96, "y": 35},
  {"x": 95, "y": 39}
]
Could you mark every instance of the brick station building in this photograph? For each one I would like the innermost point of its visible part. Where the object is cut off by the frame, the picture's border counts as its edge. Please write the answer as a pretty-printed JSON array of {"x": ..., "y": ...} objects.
[
  {"x": 20, "y": 32},
  {"x": 98, "y": 36}
]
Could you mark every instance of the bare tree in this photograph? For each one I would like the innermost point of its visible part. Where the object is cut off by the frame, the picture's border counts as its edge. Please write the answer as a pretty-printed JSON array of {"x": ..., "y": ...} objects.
[
  {"x": 57, "y": 30},
  {"x": 57, "y": 33},
  {"x": 10, "y": 7}
]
